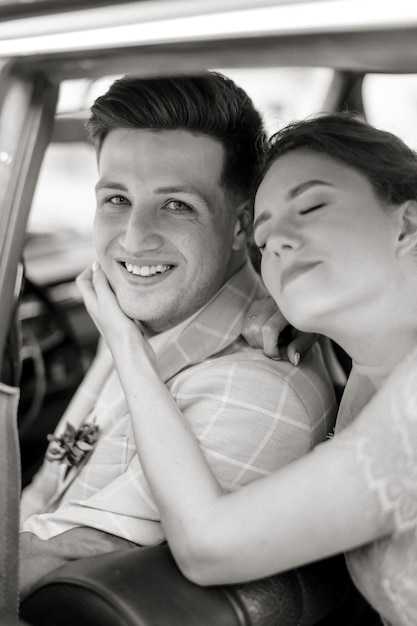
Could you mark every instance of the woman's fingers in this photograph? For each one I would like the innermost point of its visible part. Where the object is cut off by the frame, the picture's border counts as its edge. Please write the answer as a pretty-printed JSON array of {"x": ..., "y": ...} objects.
[
  {"x": 299, "y": 345},
  {"x": 271, "y": 331},
  {"x": 85, "y": 285},
  {"x": 263, "y": 327},
  {"x": 99, "y": 299},
  {"x": 257, "y": 316}
]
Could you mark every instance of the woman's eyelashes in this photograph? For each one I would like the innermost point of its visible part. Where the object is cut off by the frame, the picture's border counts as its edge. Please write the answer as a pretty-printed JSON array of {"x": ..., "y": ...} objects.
[{"x": 312, "y": 208}]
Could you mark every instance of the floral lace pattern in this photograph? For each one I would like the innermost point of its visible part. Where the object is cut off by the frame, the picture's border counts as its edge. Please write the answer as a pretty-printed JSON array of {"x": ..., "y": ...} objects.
[
  {"x": 389, "y": 456},
  {"x": 385, "y": 439}
]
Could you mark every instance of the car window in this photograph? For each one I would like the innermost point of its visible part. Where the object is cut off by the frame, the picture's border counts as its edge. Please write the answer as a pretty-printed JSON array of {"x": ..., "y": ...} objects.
[
  {"x": 390, "y": 102},
  {"x": 64, "y": 197},
  {"x": 284, "y": 94}
]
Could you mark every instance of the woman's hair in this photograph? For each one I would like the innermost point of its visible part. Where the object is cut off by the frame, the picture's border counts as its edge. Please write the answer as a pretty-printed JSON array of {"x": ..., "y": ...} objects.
[
  {"x": 388, "y": 164},
  {"x": 208, "y": 103}
]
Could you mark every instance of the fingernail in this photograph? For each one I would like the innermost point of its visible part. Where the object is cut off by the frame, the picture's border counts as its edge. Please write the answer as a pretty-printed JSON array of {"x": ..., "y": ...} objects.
[
  {"x": 95, "y": 266},
  {"x": 297, "y": 357},
  {"x": 276, "y": 358}
]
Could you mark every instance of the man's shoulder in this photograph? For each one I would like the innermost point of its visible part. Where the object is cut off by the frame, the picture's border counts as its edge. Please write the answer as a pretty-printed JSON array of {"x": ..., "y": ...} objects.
[
  {"x": 309, "y": 381},
  {"x": 312, "y": 363},
  {"x": 240, "y": 354}
]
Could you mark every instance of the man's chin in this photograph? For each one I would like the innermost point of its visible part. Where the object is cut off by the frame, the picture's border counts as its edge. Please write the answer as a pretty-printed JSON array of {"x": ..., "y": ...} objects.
[{"x": 150, "y": 321}]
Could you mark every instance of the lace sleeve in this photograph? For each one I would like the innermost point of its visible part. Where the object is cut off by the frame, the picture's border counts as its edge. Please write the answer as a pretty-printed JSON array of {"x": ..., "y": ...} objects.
[{"x": 385, "y": 439}]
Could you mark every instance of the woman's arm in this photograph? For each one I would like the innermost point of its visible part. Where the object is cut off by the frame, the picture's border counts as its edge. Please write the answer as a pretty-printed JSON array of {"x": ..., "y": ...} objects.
[{"x": 308, "y": 510}]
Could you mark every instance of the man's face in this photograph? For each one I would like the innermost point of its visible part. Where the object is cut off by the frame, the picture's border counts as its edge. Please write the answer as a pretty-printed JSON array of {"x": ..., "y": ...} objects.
[{"x": 164, "y": 228}]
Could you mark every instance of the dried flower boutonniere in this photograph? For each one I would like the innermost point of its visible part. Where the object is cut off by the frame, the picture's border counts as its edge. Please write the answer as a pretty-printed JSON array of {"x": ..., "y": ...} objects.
[{"x": 73, "y": 446}]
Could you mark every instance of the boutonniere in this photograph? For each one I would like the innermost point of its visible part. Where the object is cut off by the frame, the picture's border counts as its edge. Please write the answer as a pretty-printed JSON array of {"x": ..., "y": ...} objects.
[{"x": 73, "y": 446}]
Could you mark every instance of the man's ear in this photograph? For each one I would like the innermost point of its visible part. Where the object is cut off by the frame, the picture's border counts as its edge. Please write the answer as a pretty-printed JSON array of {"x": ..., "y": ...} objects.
[
  {"x": 407, "y": 237},
  {"x": 243, "y": 225}
]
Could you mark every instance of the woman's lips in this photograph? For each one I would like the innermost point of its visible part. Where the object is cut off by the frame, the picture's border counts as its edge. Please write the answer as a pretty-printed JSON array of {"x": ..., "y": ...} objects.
[{"x": 295, "y": 270}]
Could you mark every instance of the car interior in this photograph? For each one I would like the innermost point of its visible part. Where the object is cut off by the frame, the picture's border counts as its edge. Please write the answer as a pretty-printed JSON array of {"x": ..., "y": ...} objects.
[{"x": 56, "y": 56}]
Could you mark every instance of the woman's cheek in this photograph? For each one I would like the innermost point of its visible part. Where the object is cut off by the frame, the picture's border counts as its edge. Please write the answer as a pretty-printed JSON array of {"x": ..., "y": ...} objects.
[{"x": 270, "y": 277}]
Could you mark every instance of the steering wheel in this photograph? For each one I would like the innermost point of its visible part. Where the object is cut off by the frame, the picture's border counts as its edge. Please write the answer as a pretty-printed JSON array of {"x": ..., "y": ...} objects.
[{"x": 52, "y": 366}]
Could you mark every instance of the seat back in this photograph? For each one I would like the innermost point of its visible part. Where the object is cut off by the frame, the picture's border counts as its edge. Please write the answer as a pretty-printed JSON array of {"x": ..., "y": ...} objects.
[{"x": 143, "y": 587}]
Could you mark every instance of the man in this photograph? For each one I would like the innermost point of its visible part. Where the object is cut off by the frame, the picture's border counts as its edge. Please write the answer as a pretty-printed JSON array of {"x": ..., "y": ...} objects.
[{"x": 177, "y": 163}]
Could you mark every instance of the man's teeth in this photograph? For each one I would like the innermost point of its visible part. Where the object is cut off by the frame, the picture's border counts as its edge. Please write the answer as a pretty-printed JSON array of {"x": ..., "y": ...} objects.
[{"x": 146, "y": 270}]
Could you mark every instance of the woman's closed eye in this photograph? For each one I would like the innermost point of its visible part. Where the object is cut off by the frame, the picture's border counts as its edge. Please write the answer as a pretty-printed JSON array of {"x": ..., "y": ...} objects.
[{"x": 312, "y": 208}]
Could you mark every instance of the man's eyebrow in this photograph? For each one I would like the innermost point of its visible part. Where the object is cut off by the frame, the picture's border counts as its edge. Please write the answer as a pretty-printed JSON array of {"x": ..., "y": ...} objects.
[
  {"x": 299, "y": 189},
  {"x": 176, "y": 188},
  {"x": 263, "y": 217},
  {"x": 108, "y": 184}
]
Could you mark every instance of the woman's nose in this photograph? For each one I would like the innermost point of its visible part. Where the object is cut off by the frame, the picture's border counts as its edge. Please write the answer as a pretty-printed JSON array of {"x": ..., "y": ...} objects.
[
  {"x": 283, "y": 239},
  {"x": 141, "y": 231}
]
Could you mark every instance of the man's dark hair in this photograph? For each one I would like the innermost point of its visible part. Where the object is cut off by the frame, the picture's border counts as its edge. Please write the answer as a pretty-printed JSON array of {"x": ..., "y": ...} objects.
[
  {"x": 208, "y": 103},
  {"x": 383, "y": 158}
]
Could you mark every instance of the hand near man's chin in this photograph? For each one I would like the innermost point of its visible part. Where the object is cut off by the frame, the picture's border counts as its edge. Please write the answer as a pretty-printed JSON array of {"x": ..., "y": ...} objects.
[{"x": 114, "y": 325}]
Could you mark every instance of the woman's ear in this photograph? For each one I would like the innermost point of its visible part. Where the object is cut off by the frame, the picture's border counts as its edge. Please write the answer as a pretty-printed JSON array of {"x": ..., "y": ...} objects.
[
  {"x": 243, "y": 226},
  {"x": 407, "y": 238}
]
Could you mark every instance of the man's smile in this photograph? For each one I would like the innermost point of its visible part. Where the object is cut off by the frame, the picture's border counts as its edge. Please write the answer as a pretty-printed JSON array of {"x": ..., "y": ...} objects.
[{"x": 147, "y": 270}]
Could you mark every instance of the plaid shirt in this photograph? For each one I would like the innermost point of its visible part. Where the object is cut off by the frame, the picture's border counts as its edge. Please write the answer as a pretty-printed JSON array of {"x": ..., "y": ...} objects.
[{"x": 250, "y": 414}]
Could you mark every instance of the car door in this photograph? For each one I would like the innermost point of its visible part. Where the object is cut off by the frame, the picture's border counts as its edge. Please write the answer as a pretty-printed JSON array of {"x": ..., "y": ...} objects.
[{"x": 27, "y": 109}]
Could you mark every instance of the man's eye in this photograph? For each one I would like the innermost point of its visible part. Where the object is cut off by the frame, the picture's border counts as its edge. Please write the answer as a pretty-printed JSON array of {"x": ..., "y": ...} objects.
[
  {"x": 312, "y": 208},
  {"x": 178, "y": 207},
  {"x": 118, "y": 200}
]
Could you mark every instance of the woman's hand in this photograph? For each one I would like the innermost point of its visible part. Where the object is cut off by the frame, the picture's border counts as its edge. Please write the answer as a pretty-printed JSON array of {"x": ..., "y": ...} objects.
[
  {"x": 264, "y": 326},
  {"x": 101, "y": 303}
]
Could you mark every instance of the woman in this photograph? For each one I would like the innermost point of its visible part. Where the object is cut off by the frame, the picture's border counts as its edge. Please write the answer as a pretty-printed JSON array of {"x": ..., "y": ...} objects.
[{"x": 336, "y": 221}]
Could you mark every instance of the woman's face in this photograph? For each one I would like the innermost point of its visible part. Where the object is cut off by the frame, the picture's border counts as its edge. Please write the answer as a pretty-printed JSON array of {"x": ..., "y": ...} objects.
[{"x": 327, "y": 241}]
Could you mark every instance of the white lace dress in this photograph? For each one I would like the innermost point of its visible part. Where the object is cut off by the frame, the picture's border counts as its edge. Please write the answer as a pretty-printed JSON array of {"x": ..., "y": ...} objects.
[{"x": 383, "y": 439}]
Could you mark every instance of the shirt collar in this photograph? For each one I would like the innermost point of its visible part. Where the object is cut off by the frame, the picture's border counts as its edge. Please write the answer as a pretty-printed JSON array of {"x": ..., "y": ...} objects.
[{"x": 212, "y": 329}]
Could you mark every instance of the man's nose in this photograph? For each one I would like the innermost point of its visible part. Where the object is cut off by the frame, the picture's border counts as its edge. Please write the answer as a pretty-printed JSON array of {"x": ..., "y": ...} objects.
[{"x": 141, "y": 231}]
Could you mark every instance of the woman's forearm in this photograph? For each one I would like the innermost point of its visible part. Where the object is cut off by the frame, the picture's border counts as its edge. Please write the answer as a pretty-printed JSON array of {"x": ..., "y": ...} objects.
[
  {"x": 166, "y": 445},
  {"x": 303, "y": 512}
]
